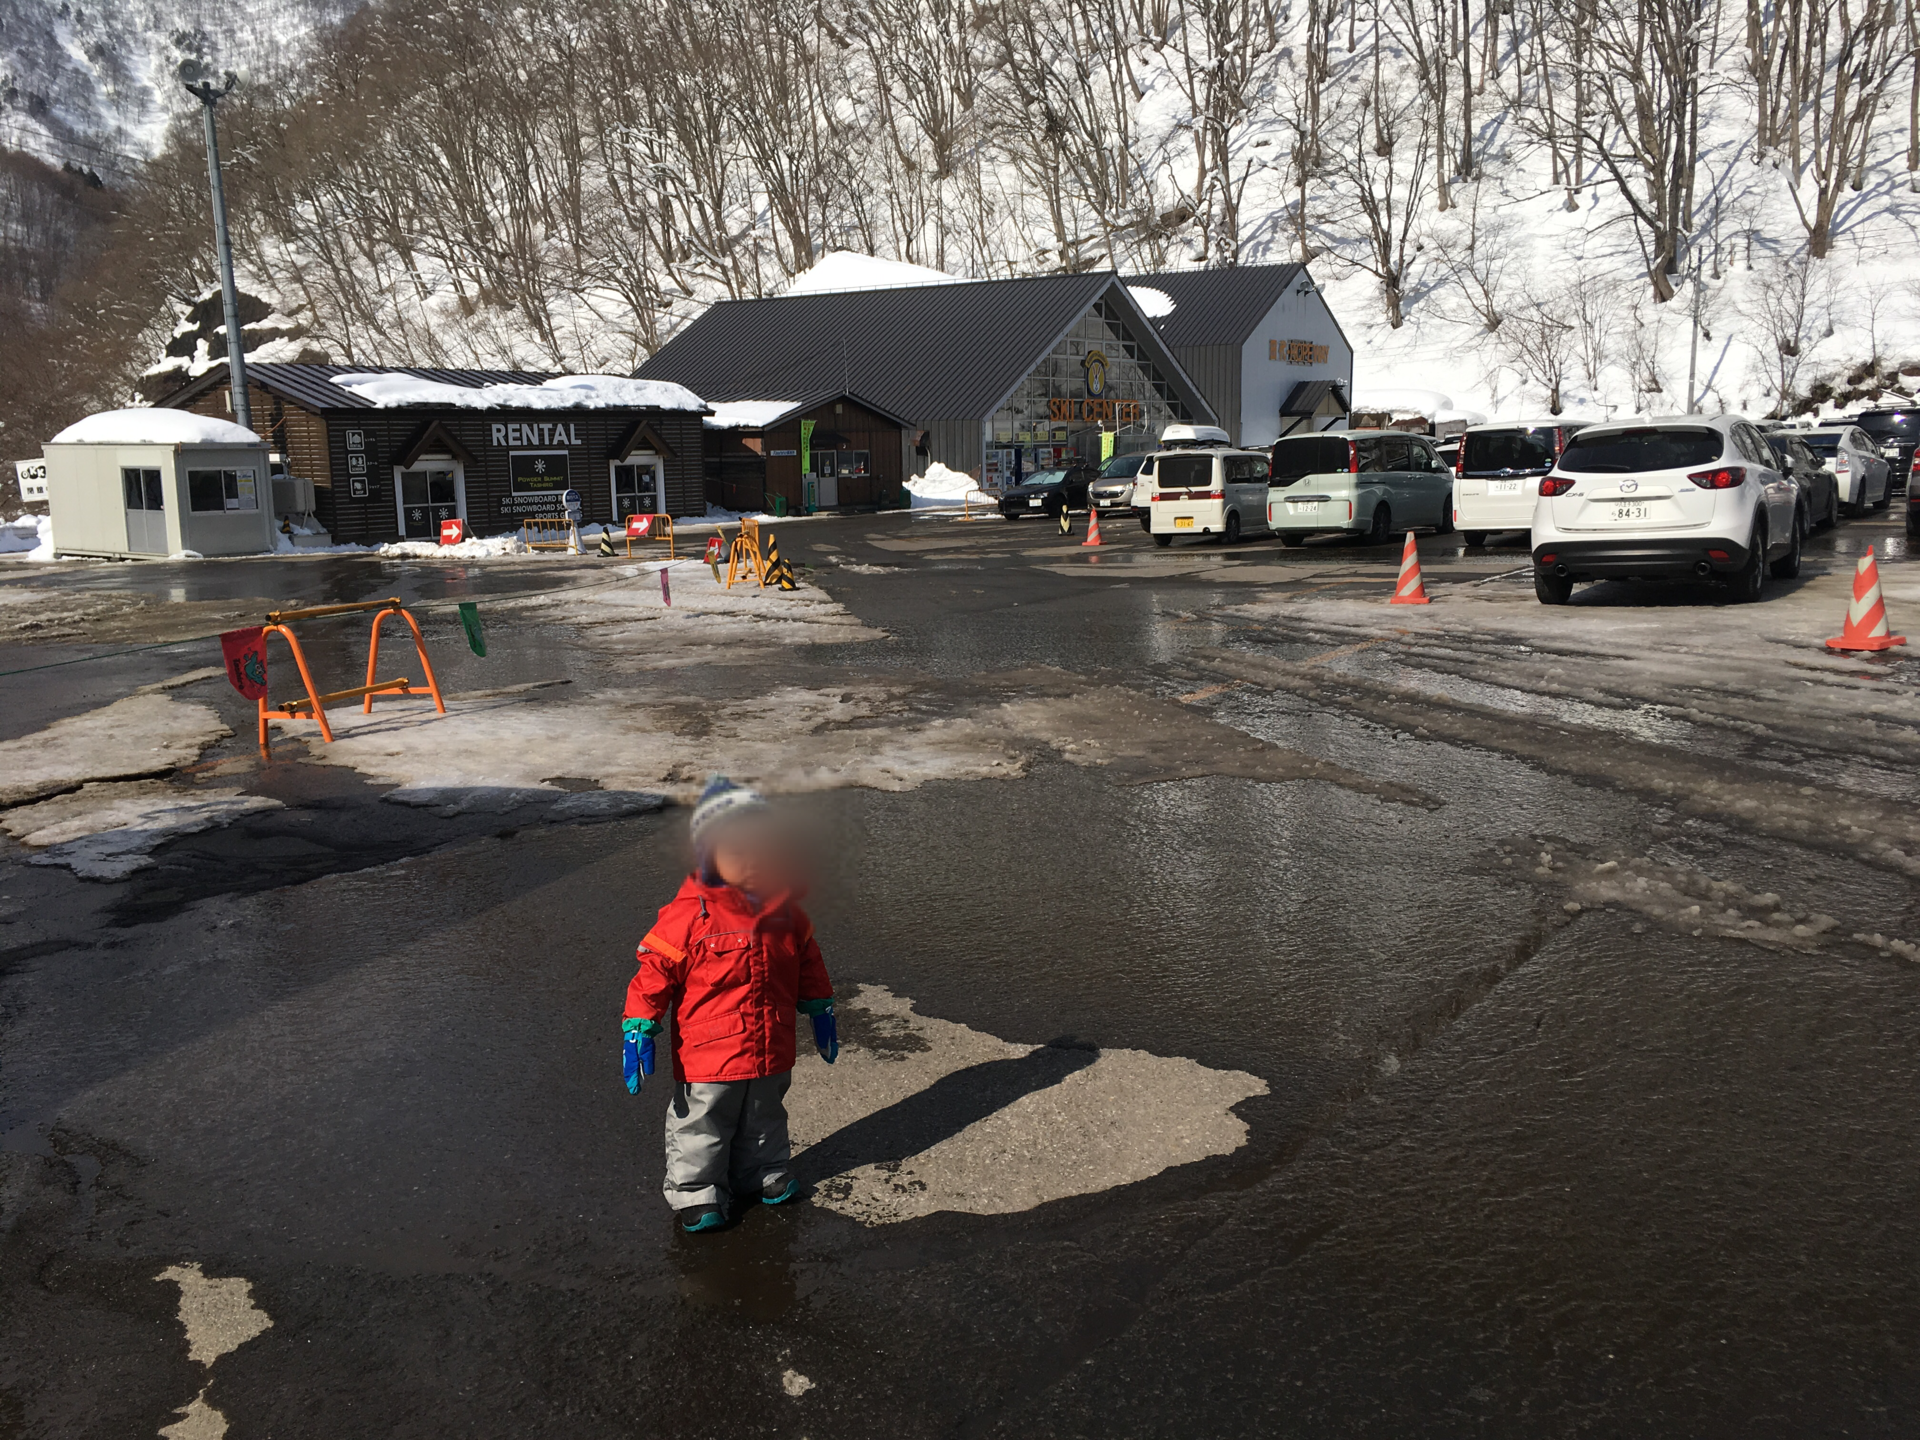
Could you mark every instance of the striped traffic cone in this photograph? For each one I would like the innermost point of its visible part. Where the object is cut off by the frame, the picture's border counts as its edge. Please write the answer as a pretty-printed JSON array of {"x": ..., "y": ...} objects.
[
  {"x": 1093, "y": 529},
  {"x": 1409, "y": 590},
  {"x": 1866, "y": 627}
]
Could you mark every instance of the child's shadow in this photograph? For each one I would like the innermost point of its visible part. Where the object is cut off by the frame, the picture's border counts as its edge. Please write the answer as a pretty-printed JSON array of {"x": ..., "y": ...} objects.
[{"x": 943, "y": 1109}]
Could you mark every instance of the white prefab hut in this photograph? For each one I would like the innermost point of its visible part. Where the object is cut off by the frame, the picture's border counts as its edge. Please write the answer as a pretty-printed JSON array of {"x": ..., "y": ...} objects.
[{"x": 159, "y": 482}]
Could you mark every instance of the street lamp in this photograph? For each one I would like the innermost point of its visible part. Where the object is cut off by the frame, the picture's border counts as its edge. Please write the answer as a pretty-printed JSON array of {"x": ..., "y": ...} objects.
[{"x": 230, "y": 297}]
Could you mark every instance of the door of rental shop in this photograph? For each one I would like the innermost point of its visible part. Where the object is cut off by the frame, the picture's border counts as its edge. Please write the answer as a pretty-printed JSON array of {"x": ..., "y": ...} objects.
[
  {"x": 430, "y": 492},
  {"x": 146, "y": 511},
  {"x": 636, "y": 487}
]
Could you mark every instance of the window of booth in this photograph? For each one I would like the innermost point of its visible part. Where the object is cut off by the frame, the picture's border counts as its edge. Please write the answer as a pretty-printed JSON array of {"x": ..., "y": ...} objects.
[
  {"x": 142, "y": 489},
  {"x": 843, "y": 462},
  {"x": 209, "y": 490}
]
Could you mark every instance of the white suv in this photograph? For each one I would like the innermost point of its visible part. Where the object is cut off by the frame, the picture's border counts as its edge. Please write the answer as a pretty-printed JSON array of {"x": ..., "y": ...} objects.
[{"x": 1693, "y": 497}]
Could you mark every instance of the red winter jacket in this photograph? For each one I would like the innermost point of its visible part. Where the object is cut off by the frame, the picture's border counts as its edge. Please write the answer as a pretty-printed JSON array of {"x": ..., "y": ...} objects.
[{"x": 734, "y": 978}]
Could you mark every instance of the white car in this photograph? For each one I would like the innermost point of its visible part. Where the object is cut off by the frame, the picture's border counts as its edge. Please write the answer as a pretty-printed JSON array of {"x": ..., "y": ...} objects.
[
  {"x": 1864, "y": 476},
  {"x": 1695, "y": 497},
  {"x": 1203, "y": 485},
  {"x": 1499, "y": 469}
]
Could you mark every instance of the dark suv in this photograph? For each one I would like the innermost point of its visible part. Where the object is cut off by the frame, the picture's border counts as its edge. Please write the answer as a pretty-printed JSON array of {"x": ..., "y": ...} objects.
[{"x": 1895, "y": 432}]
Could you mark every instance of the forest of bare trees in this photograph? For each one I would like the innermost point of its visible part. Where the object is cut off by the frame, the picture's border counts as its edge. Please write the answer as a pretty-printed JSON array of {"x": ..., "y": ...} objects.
[{"x": 563, "y": 185}]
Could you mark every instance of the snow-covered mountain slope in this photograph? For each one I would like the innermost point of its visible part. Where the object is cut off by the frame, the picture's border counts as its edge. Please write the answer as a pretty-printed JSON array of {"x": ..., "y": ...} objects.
[{"x": 95, "y": 84}]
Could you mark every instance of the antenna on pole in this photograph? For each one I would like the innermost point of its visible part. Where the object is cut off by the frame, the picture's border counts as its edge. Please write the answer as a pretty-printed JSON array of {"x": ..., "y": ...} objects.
[{"x": 209, "y": 97}]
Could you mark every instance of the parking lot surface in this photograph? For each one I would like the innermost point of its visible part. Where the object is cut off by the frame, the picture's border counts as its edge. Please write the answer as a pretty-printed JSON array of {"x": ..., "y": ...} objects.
[{"x": 1267, "y": 1011}]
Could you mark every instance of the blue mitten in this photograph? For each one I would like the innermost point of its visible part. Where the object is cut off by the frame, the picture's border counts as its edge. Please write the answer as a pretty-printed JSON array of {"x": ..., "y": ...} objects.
[
  {"x": 826, "y": 1035},
  {"x": 636, "y": 1053}
]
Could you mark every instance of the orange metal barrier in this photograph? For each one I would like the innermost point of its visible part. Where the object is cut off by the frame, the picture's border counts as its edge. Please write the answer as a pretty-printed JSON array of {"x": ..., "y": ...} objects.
[
  {"x": 315, "y": 702},
  {"x": 650, "y": 527},
  {"x": 744, "y": 560},
  {"x": 550, "y": 535}
]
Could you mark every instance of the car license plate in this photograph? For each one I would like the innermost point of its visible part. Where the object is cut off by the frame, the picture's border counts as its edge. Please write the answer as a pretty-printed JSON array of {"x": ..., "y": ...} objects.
[
  {"x": 1503, "y": 487},
  {"x": 1033, "y": 504},
  {"x": 1303, "y": 507},
  {"x": 1633, "y": 512},
  {"x": 1183, "y": 522}
]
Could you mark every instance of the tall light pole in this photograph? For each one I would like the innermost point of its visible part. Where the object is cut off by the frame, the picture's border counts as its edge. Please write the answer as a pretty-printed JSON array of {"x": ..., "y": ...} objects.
[{"x": 230, "y": 297}]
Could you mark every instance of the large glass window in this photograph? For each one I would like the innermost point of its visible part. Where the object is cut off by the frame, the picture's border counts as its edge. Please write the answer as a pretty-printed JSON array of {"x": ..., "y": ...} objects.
[
  {"x": 1521, "y": 451},
  {"x": 1095, "y": 381},
  {"x": 221, "y": 490}
]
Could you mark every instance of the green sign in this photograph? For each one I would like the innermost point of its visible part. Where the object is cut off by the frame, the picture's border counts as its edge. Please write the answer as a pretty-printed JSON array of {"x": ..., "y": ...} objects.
[
  {"x": 806, "y": 446},
  {"x": 1107, "y": 437}
]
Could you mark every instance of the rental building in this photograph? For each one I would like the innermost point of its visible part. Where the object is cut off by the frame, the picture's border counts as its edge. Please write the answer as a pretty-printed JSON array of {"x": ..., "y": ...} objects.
[{"x": 392, "y": 453}]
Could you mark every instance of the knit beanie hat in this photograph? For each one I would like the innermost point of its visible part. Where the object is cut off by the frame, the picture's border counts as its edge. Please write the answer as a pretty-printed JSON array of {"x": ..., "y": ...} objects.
[{"x": 722, "y": 799}]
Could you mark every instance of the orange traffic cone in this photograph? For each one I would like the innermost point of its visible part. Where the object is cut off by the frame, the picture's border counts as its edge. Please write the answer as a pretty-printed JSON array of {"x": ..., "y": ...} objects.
[
  {"x": 1409, "y": 590},
  {"x": 1866, "y": 627},
  {"x": 1093, "y": 529}
]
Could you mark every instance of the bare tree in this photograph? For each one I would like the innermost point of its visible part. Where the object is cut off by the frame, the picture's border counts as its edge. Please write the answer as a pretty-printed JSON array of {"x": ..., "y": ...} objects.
[{"x": 1783, "y": 303}]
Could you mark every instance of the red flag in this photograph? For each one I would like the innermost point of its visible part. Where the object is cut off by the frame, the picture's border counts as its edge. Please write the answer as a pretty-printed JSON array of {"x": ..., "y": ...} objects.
[
  {"x": 246, "y": 657},
  {"x": 666, "y": 595}
]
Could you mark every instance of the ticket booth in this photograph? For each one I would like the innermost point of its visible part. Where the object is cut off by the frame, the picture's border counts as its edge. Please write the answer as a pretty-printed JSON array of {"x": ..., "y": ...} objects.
[{"x": 153, "y": 483}]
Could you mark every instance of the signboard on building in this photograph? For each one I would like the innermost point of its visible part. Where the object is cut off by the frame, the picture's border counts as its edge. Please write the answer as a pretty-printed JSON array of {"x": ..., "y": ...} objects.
[
  {"x": 537, "y": 482},
  {"x": 1297, "y": 352}
]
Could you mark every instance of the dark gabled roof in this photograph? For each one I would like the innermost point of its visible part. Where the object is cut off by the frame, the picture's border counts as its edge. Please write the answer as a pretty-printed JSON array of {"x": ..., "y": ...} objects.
[
  {"x": 812, "y": 400},
  {"x": 928, "y": 352},
  {"x": 1306, "y": 395},
  {"x": 1218, "y": 307},
  {"x": 313, "y": 387}
]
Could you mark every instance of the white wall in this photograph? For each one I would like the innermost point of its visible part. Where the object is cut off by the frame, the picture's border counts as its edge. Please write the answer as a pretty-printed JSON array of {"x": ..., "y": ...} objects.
[
  {"x": 88, "y": 504},
  {"x": 1265, "y": 382}
]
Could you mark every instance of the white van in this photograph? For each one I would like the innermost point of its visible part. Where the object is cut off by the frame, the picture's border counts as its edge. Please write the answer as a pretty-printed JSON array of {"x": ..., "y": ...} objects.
[
  {"x": 1498, "y": 474},
  {"x": 1203, "y": 485}
]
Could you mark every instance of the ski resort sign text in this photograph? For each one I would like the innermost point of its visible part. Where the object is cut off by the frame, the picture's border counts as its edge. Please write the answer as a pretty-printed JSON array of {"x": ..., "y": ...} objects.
[
  {"x": 1061, "y": 410},
  {"x": 541, "y": 435},
  {"x": 1292, "y": 352}
]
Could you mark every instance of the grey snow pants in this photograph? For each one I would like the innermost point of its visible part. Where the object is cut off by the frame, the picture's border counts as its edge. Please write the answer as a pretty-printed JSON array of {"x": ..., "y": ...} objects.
[{"x": 727, "y": 1138}]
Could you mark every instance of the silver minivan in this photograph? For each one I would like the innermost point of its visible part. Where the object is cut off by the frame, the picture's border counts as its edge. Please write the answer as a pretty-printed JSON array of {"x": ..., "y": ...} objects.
[{"x": 1366, "y": 482}]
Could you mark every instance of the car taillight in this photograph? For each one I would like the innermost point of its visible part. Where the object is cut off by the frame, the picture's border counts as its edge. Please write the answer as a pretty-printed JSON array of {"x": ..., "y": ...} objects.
[
  {"x": 1720, "y": 555},
  {"x": 1841, "y": 465},
  {"x": 1211, "y": 495},
  {"x": 1556, "y": 485},
  {"x": 1353, "y": 458},
  {"x": 1170, "y": 495},
  {"x": 1548, "y": 559},
  {"x": 1725, "y": 477}
]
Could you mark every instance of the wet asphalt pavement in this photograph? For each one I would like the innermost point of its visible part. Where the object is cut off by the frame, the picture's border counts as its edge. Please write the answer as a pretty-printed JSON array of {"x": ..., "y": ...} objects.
[{"x": 1521, "y": 1167}]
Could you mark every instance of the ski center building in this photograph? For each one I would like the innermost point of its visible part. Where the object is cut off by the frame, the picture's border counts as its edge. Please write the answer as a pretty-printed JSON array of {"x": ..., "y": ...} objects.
[
  {"x": 998, "y": 378},
  {"x": 391, "y": 454}
]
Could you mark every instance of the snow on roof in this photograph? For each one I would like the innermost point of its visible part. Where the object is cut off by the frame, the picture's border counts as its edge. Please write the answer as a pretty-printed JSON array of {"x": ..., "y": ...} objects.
[
  {"x": 850, "y": 270},
  {"x": 1154, "y": 303},
  {"x": 1402, "y": 399},
  {"x": 747, "y": 414},
  {"x": 383, "y": 390},
  {"x": 155, "y": 426}
]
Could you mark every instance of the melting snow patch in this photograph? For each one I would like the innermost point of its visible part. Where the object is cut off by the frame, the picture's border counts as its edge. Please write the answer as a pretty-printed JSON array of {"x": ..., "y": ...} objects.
[
  {"x": 921, "y": 1115},
  {"x": 219, "y": 1316},
  {"x": 108, "y": 831},
  {"x": 138, "y": 735},
  {"x": 794, "y": 1383},
  {"x": 942, "y": 487}
]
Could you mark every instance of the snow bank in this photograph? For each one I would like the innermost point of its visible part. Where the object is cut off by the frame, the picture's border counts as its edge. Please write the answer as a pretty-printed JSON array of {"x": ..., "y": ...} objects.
[
  {"x": 1155, "y": 304},
  {"x": 746, "y": 414},
  {"x": 940, "y": 487},
  {"x": 154, "y": 425},
  {"x": 30, "y": 535},
  {"x": 385, "y": 390},
  {"x": 849, "y": 270}
]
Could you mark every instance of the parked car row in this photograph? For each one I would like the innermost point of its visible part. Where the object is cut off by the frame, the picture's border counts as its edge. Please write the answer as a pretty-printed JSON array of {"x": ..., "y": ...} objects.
[{"x": 1716, "y": 498}]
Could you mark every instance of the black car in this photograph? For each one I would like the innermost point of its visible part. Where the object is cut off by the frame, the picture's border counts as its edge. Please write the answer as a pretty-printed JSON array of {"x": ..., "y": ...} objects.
[
  {"x": 1895, "y": 432},
  {"x": 1048, "y": 492},
  {"x": 1817, "y": 482}
]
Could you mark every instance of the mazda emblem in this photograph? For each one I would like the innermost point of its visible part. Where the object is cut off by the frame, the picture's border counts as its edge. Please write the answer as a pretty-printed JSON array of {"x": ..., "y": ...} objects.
[{"x": 1627, "y": 487}]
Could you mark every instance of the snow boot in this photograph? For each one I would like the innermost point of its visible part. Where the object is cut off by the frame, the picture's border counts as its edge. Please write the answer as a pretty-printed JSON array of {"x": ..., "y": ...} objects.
[{"x": 702, "y": 1217}]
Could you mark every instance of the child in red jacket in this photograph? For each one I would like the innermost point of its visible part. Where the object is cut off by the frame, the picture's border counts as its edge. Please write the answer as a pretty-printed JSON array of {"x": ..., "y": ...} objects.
[{"x": 734, "y": 959}]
